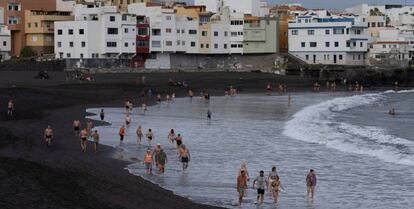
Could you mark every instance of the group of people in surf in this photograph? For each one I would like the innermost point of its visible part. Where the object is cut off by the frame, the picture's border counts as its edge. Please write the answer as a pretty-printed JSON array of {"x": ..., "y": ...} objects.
[
  {"x": 281, "y": 89},
  {"x": 271, "y": 183}
]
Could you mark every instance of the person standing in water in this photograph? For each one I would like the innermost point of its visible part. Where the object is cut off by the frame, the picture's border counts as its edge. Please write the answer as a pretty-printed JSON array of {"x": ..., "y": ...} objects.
[
  {"x": 208, "y": 114},
  {"x": 161, "y": 161},
  {"x": 171, "y": 136},
  {"x": 122, "y": 133},
  {"x": 127, "y": 120},
  {"x": 76, "y": 127},
  {"x": 10, "y": 108},
  {"x": 83, "y": 139},
  {"x": 95, "y": 136},
  {"x": 241, "y": 185},
  {"x": 143, "y": 108},
  {"x": 148, "y": 161},
  {"x": 275, "y": 187},
  {"x": 102, "y": 114},
  {"x": 149, "y": 136},
  {"x": 261, "y": 184},
  {"x": 89, "y": 126},
  {"x": 272, "y": 175},
  {"x": 139, "y": 135},
  {"x": 311, "y": 183},
  {"x": 185, "y": 156},
  {"x": 243, "y": 167},
  {"x": 48, "y": 134},
  {"x": 179, "y": 141}
]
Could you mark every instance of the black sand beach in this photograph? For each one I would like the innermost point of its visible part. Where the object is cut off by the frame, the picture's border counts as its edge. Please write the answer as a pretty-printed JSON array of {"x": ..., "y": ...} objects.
[{"x": 34, "y": 176}]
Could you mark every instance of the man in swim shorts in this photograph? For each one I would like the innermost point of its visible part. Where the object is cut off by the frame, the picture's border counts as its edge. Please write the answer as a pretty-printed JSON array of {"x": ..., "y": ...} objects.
[
  {"x": 84, "y": 139},
  {"x": 241, "y": 185},
  {"x": 311, "y": 183},
  {"x": 161, "y": 161},
  {"x": 95, "y": 137},
  {"x": 48, "y": 135},
  {"x": 261, "y": 183},
  {"x": 149, "y": 136},
  {"x": 185, "y": 156},
  {"x": 76, "y": 127},
  {"x": 179, "y": 141}
]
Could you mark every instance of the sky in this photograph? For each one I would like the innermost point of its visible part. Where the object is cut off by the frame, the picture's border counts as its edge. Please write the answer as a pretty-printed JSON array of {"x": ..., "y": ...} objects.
[{"x": 337, "y": 4}]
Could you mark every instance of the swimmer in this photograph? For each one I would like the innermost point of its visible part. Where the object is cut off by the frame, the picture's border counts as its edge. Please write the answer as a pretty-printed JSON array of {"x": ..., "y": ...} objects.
[
  {"x": 185, "y": 156},
  {"x": 241, "y": 185},
  {"x": 139, "y": 134},
  {"x": 76, "y": 127},
  {"x": 179, "y": 141},
  {"x": 149, "y": 136},
  {"x": 392, "y": 111},
  {"x": 102, "y": 114},
  {"x": 127, "y": 120},
  {"x": 148, "y": 161},
  {"x": 171, "y": 136},
  {"x": 311, "y": 183},
  {"x": 208, "y": 115},
  {"x": 84, "y": 139},
  {"x": 275, "y": 187},
  {"x": 122, "y": 133},
  {"x": 261, "y": 184},
  {"x": 10, "y": 108},
  {"x": 95, "y": 137},
  {"x": 48, "y": 135}
]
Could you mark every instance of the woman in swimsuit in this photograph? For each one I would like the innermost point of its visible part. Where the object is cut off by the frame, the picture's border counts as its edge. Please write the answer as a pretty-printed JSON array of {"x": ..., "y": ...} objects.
[
  {"x": 150, "y": 136},
  {"x": 139, "y": 134},
  {"x": 172, "y": 136},
  {"x": 275, "y": 187}
]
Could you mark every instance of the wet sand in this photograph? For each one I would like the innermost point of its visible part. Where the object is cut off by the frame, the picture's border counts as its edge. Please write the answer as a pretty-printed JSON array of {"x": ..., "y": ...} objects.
[{"x": 33, "y": 176}]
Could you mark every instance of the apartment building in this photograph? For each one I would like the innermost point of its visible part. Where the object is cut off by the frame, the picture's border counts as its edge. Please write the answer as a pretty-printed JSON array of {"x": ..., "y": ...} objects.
[
  {"x": 320, "y": 38},
  {"x": 260, "y": 35},
  {"x": 5, "y": 38},
  {"x": 391, "y": 46},
  {"x": 251, "y": 7},
  {"x": 96, "y": 32}
]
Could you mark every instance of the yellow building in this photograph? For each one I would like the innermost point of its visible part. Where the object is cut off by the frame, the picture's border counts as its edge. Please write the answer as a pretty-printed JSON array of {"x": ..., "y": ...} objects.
[
  {"x": 190, "y": 11},
  {"x": 123, "y": 4},
  {"x": 39, "y": 29}
]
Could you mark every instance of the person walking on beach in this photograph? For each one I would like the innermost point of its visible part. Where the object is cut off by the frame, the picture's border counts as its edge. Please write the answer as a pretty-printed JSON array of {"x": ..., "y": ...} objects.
[
  {"x": 89, "y": 126},
  {"x": 10, "y": 108},
  {"x": 179, "y": 141},
  {"x": 241, "y": 185},
  {"x": 127, "y": 120},
  {"x": 243, "y": 167},
  {"x": 311, "y": 183},
  {"x": 272, "y": 175},
  {"x": 95, "y": 136},
  {"x": 171, "y": 136},
  {"x": 102, "y": 114},
  {"x": 185, "y": 156},
  {"x": 139, "y": 135},
  {"x": 84, "y": 139},
  {"x": 208, "y": 114},
  {"x": 76, "y": 127},
  {"x": 149, "y": 136},
  {"x": 261, "y": 184},
  {"x": 122, "y": 133},
  {"x": 275, "y": 187},
  {"x": 161, "y": 161},
  {"x": 48, "y": 134},
  {"x": 148, "y": 161}
]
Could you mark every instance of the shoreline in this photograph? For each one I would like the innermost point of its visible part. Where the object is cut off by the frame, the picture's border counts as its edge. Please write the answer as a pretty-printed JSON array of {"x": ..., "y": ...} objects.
[{"x": 96, "y": 181}]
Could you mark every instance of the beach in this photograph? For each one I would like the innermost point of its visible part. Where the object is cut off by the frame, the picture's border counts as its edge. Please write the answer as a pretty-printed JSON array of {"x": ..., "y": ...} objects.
[{"x": 63, "y": 177}]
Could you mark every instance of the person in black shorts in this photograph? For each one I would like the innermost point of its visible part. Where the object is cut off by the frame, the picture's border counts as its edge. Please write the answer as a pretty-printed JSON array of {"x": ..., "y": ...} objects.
[
  {"x": 102, "y": 114},
  {"x": 179, "y": 141},
  {"x": 261, "y": 184}
]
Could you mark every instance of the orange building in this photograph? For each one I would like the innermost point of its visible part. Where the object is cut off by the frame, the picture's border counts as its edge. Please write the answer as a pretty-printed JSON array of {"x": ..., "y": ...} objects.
[{"x": 14, "y": 18}]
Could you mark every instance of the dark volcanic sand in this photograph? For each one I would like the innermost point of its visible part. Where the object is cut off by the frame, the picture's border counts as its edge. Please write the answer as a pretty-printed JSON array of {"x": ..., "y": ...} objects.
[{"x": 33, "y": 176}]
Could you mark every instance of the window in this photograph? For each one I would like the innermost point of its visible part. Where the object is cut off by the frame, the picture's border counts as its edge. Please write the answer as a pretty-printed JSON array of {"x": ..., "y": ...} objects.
[
  {"x": 380, "y": 24},
  {"x": 373, "y": 24},
  {"x": 216, "y": 46},
  {"x": 168, "y": 43},
  {"x": 168, "y": 17},
  {"x": 36, "y": 24},
  {"x": 178, "y": 30},
  {"x": 226, "y": 33},
  {"x": 178, "y": 43},
  {"x": 361, "y": 44},
  {"x": 183, "y": 43},
  {"x": 28, "y": 25},
  {"x": 327, "y": 44},
  {"x": 112, "y": 31},
  {"x": 384, "y": 46},
  {"x": 59, "y": 44},
  {"x": 233, "y": 46},
  {"x": 192, "y": 32},
  {"x": 168, "y": 30},
  {"x": 240, "y": 46},
  {"x": 359, "y": 56},
  {"x": 303, "y": 44},
  {"x": 225, "y": 46},
  {"x": 216, "y": 33},
  {"x": 14, "y": 7},
  {"x": 70, "y": 32},
  {"x": 126, "y": 30},
  {"x": 204, "y": 33},
  {"x": 327, "y": 32},
  {"x": 311, "y": 32},
  {"x": 354, "y": 44},
  {"x": 240, "y": 33},
  {"x": 313, "y": 44},
  {"x": 336, "y": 44},
  {"x": 201, "y": 45},
  {"x": 307, "y": 57},
  {"x": 182, "y": 31},
  {"x": 68, "y": 55},
  {"x": 124, "y": 17},
  {"x": 71, "y": 44},
  {"x": 156, "y": 32},
  {"x": 142, "y": 31},
  {"x": 358, "y": 32},
  {"x": 233, "y": 34},
  {"x": 236, "y": 22},
  {"x": 143, "y": 44},
  {"x": 83, "y": 44},
  {"x": 126, "y": 44},
  {"x": 112, "y": 18},
  {"x": 12, "y": 20},
  {"x": 340, "y": 56},
  {"x": 81, "y": 55},
  {"x": 156, "y": 44},
  {"x": 81, "y": 31},
  {"x": 347, "y": 31},
  {"x": 207, "y": 46},
  {"x": 60, "y": 32},
  {"x": 192, "y": 44},
  {"x": 348, "y": 44},
  {"x": 338, "y": 31},
  {"x": 294, "y": 32},
  {"x": 110, "y": 44}
]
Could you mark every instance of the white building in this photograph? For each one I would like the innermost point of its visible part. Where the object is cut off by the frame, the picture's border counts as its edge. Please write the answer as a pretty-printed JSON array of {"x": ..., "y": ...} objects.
[
  {"x": 187, "y": 34},
  {"x": 236, "y": 32},
  {"x": 251, "y": 7},
  {"x": 96, "y": 32},
  {"x": 319, "y": 38},
  {"x": 396, "y": 14},
  {"x": 5, "y": 38}
]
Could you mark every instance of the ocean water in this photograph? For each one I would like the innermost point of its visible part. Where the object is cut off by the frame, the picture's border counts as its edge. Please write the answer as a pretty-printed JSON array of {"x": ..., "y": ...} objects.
[{"x": 363, "y": 157}]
